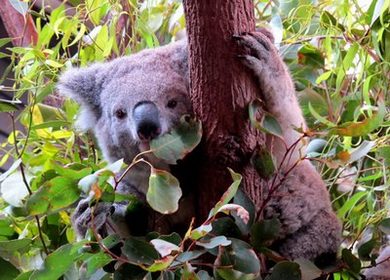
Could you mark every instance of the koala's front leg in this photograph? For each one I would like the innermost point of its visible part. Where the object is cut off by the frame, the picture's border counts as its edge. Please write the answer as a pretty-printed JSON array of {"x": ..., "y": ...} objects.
[
  {"x": 107, "y": 218},
  {"x": 91, "y": 217},
  {"x": 277, "y": 88}
]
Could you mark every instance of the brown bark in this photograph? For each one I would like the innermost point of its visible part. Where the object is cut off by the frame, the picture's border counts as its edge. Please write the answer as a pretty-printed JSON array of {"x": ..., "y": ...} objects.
[
  {"x": 20, "y": 28},
  {"x": 221, "y": 89}
]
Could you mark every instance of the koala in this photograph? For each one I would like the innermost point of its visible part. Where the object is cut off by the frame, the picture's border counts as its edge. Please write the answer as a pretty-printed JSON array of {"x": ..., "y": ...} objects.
[
  {"x": 129, "y": 101},
  {"x": 382, "y": 270},
  {"x": 309, "y": 227}
]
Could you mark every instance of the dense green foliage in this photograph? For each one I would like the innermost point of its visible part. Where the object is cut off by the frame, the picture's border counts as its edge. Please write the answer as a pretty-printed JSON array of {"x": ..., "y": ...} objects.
[{"x": 339, "y": 56}]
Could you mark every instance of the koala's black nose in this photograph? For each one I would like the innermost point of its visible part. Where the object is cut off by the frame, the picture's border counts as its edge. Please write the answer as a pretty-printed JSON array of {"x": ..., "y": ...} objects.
[{"x": 147, "y": 120}]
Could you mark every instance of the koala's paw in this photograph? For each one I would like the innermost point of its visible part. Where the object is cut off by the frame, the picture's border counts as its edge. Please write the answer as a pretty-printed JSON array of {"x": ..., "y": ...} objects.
[
  {"x": 91, "y": 217},
  {"x": 261, "y": 55}
]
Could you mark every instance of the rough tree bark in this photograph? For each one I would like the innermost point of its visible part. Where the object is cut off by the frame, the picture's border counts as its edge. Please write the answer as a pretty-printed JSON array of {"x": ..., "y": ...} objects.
[
  {"x": 20, "y": 28},
  {"x": 221, "y": 89}
]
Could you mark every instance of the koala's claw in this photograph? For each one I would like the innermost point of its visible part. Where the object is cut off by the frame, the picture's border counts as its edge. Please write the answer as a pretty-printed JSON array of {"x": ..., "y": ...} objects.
[
  {"x": 86, "y": 216},
  {"x": 252, "y": 63},
  {"x": 258, "y": 44}
]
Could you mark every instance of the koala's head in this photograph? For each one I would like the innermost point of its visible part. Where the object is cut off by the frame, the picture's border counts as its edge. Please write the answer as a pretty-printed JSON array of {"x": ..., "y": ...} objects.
[{"x": 131, "y": 100}]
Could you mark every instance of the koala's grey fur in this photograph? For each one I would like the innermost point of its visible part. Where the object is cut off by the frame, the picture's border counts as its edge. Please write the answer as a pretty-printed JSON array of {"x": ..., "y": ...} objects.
[
  {"x": 157, "y": 75},
  {"x": 309, "y": 226}
]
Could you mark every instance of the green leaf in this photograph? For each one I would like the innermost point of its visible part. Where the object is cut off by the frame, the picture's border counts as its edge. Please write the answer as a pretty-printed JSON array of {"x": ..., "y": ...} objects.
[
  {"x": 361, "y": 128},
  {"x": 97, "y": 261},
  {"x": 179, "y": 142},
  {"x": 268, "y": 123},
  {"x": 384, "y": 152},
  {"x": 7, "y": 107},
  {"x": 323, "y": 77},
  {"x": 15, "y": 245},
  {"x": 4, "y": 41},
  {"x": 171, "y": 238},
  {"x": 241, "y": 256},
  {"x": 24, "y": 275},
  {"x": 6, "y": 228},
  {"x": 241, "y": 198},
  {"x": 188, "y": 273},
  {"x": 55, "y": 194},
  {"x": 365, "y": 249},
  {"x": 320, "y": 118},
  {"x": 264, "y": 232},
  {"x": 58, "y": 262},
  {"x": 53, "y": 63},
  {"x": 353, "y": 262},
  {"x": 79, "y": 35},
  {"x": 285, "y": 271},
  {"x": 200, "y": 231},
  {"x": 8, "y": 271},
  {"x": 214, "y": 242},
  {"x": 74, "y": 171},
  {"x": 347, "y": 63},
  {"x": 111, "y": 240},
  {"x": 384, "y": 226},
  {"x": 160, "y": 264},
  {"x": 129, "y": 271},
  {"x": 139, "y": 251},
  {"x": 164, "y": 191},
  {"x": 100, "y": 176},
  {"x": 231, "y": 274},
  {"x": 54, "y": 124},
  {"x": 350, "y": 203},
  {"x": 329, "y": 20},
  {"x": 264, "y": 163},
  {"x": 164, "y": 248},
  {"x": 94, "y": 11},
  {"x": 188, "y": 256},
  {"x": 229, "y": 194}
]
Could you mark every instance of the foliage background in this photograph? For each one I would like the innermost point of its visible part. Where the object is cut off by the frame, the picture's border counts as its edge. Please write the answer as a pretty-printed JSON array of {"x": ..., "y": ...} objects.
[{"x": 338, "y": 53}]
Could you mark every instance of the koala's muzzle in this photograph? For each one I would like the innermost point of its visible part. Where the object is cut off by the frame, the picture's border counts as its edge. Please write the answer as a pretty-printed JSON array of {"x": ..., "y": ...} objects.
[{"x": 147, "y": 120}]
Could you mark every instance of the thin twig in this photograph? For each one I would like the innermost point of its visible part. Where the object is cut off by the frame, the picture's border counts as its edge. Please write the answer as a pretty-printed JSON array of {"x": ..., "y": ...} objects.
[{"x": 21, "y": 167}]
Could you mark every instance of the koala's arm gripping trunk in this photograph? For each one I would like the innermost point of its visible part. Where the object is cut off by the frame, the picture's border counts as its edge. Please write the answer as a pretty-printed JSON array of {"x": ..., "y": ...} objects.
[{"x": 221, "y": 89}]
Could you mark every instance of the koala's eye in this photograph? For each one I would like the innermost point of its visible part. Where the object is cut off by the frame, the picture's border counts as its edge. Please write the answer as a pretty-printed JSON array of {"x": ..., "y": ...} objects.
[
  {"x": 172, "y": 103},
  {"x": 120, "y": 113}
]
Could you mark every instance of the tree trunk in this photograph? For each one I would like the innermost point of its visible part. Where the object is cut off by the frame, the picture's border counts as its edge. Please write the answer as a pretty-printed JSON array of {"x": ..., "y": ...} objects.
[
  {"x": 221, "y": 89},
  {"x": 20, "y": 28}
]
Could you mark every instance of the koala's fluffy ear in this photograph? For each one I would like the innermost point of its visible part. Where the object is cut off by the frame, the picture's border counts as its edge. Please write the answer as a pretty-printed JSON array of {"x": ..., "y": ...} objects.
[
  {"x": 179, "y": 59},
  {"x": 84, "y": 86}
]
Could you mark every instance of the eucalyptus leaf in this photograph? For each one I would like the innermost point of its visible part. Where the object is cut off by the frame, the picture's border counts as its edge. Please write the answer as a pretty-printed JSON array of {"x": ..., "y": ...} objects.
[
  {"x": 139, "y": 251},
  {"x": 55, "y": 194},
  {"x": 229, "y": 194},
  {"x": 8, "y": 271},
  {"x": 179, "y": 141},
  {"x": 353, "y": 262},
  {"x": 58, "y": 262},
  {"x": 285, "y": 270},
  {"x": 384, "y": 226},
  {"x": 164, "y": 192},
  {"x": 240, "y": 256},
  {"x": 15, "y": 245},
  {"x": 214, "y": 242}
]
